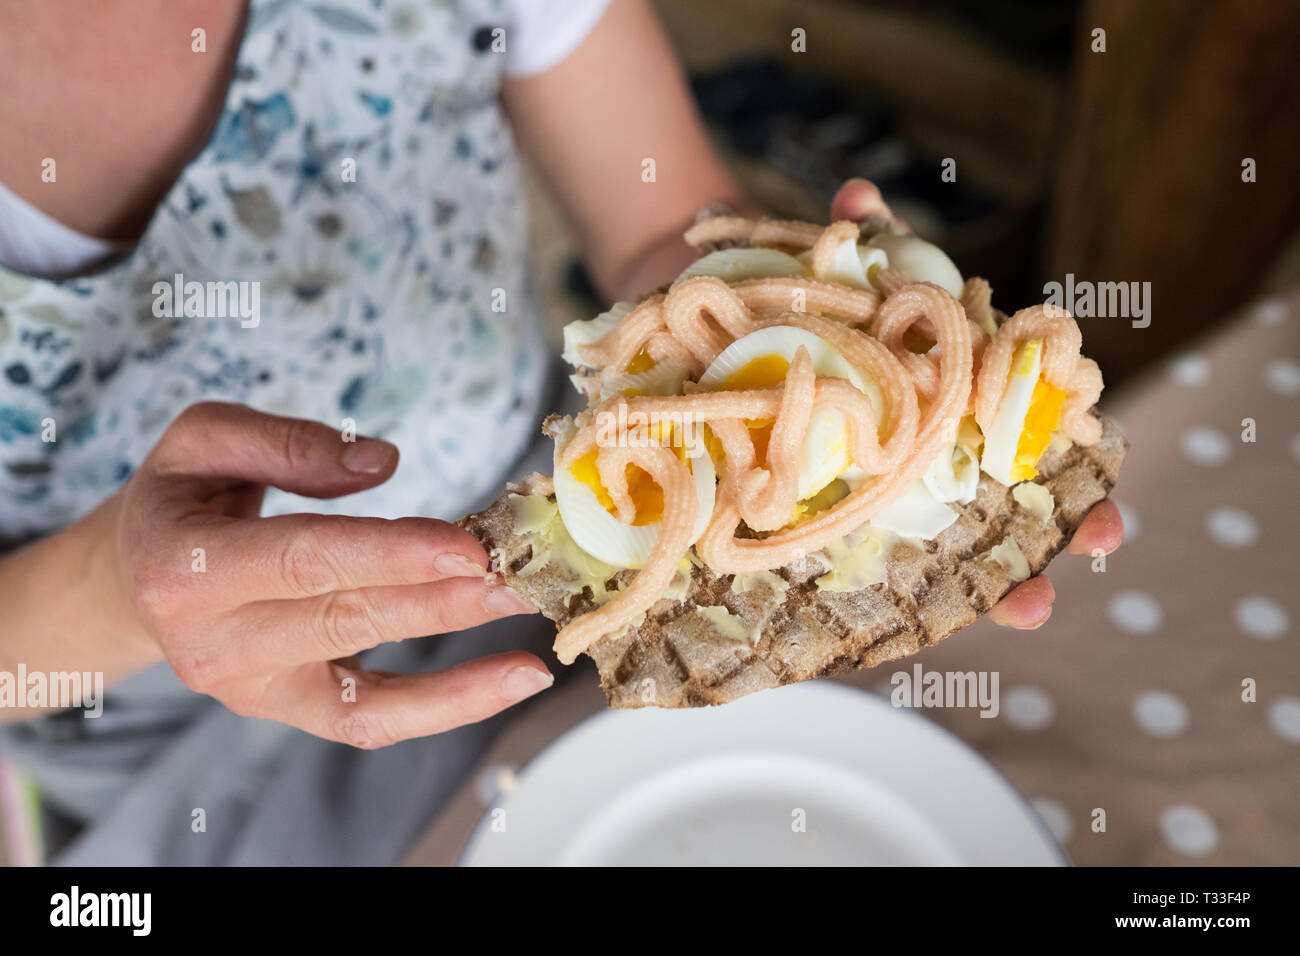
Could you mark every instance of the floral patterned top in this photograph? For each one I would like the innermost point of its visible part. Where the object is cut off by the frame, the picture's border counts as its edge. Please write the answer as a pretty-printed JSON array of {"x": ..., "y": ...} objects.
[{"x": 362, "y": 177}]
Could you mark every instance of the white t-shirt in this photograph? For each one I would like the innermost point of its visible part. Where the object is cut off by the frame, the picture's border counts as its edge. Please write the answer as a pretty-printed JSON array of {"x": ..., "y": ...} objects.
[
  {"x": 539, "y": 34},
  {"x": 36, "y": 244},
  {"x": 544, "y": 32}
]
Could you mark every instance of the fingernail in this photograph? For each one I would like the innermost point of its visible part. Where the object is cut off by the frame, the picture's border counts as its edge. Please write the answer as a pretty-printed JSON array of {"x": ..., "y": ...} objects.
[
  {"x": 367, "y": 456},
  {"x": 1034, "y": 627},
  {"x": 503, "y": 600},
  {"x": 525, "y": 682},
  {"x": 457, "y": 566}
]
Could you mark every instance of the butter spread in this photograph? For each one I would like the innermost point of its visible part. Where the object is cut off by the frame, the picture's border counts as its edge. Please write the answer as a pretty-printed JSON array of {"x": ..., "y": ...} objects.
[
  {"x": 748, "y": 581},
  {"x": 537, "y": 519},
  {"x": 681, "y": 583},
  {"x": 1012, "y": 559},
  {"x": 857, "y": 561},
  {"x": 533, "y": 514},
  {"x": 1035, "y": 499},
  {"x": 727, "y": 624}
]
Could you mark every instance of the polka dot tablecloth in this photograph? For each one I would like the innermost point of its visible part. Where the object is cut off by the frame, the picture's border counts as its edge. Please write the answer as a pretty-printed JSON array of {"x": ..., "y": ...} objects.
[
  {"x": 1155, "y": 718},
  {"x": 1163, "y": 696}
]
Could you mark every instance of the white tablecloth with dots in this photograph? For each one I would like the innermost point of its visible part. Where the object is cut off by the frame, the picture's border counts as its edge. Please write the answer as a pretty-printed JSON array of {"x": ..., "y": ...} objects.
[
  {"x": 1165, "y": 690},
  {"x": 1155, "y": 718}
]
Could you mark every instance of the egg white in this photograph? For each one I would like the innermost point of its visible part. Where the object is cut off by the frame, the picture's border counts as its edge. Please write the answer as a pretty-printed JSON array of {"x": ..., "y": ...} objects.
[
  {"x": 586, "y": 331},
  {"x": 824, "y": 454},
  {"x": 955, "y": 474},
  {"x": 736, "y": 265},
  {"x": 917, "y": 513},
  {"x": 922, "y": 511},
  {"x": 661, "y": 379},
  {"x": 603, "y": 536},
  {"x": 852, "y": 263},
  {"x": 1004, "y": 436},
  {"x": 922, "y": 260}
]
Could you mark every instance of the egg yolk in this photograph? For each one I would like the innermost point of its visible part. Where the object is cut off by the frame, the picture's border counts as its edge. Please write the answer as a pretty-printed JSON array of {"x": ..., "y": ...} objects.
[
  {"x": 641, "y": 362},
  {"x": 647, "y": 497},
  {"x": 836, "y": 490},
  {"x": 1043, "y": 418},
  {"x": 969, "y": 434},
  {"x": 766, "y": 371}
]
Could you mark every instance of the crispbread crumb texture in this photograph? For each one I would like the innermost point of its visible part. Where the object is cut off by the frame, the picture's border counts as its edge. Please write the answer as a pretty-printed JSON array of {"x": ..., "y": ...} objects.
[{"x": 677, "y": 658}]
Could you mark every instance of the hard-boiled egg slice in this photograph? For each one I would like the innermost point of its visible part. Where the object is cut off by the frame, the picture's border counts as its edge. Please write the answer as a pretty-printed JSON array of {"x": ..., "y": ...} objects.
[
  {"x": 922, "y": 260},
  {"x": 922, "y": 511},
  {"x": 736, "y": 265},
  {"x": 1028, "y": 415},
  {"x": 587, "y": 512},
  {"x": 917, "y": 514},
  {"x": 852, "y": 264},
  {"x": 587, "y": 331},
  {"x": 955, "y": 474},
  {"x": 761, "y": 360},
  {"x": 663, "y": 379}
]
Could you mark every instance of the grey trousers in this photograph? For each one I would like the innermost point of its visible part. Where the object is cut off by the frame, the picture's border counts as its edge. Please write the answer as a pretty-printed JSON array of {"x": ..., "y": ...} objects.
[{"x": 135, "y": 778}]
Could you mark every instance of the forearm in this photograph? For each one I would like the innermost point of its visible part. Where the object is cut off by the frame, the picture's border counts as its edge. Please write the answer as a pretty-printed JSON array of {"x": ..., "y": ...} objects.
[
  {"x": 659, "y": 260},
  {"x": 617, "y": 137},
  {"x": 61, "y": 611}
]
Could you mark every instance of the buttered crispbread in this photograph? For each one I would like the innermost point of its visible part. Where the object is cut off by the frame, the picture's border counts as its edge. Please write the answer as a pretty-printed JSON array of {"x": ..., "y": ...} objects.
[
  {"x": 678, "y": 657},
  {"x": 712, "y": 638}
]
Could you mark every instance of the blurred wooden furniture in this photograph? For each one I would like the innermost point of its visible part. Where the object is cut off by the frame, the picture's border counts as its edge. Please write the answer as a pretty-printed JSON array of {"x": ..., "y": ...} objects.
[
  {"x": 1115, "y": 166},
  {"x": 952, "y": 90},
  {"x": 1150, "y": 181}
]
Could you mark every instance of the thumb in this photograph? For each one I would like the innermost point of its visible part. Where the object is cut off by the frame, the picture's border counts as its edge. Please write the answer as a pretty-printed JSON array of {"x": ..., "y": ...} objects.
[
  {"x": 856, "y": 200},
  {"x": 226, "y": 441}
]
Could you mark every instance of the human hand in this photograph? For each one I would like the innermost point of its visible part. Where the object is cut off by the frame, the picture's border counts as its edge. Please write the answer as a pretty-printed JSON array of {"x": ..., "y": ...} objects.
[
  {"x": 859, "y": 199},
  {"x": 1028, "y": 605},
  {"x": 271, "y": 621}
]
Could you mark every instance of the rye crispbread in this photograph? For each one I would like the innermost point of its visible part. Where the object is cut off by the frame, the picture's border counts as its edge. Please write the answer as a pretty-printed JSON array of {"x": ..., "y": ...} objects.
[{"x": 678, "y": 658}]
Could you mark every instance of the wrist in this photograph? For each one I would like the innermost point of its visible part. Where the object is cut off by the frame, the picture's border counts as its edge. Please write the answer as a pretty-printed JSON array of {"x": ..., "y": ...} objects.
[
  {"x": 117, "y": 629},
  {"x": 74, "y": 609},
  {"x": 661, "y": 259}
]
